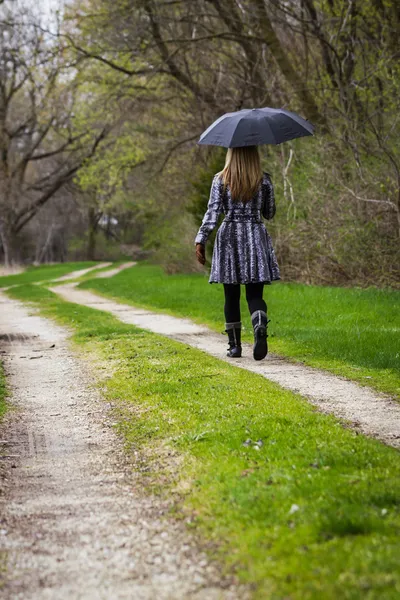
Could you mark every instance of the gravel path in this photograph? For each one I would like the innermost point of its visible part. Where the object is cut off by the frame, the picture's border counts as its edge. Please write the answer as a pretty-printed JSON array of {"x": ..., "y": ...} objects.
[
  {"x": 112, "y": 272},
  {"x": 75, "y": 520},
  {"x": 368, "y": 411},
  {"x": 82, "y": 272}
]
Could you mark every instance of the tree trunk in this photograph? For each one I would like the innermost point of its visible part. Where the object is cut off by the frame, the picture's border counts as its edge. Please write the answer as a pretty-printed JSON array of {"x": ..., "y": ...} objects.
[
  {"x": 6, "y": 242},
  {"x": 92, "y": 230},
  {"x": 41, "y": 254}
]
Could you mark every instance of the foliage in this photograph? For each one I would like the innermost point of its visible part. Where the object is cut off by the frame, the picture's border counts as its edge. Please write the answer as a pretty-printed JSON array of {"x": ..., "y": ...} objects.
[
  {"x": 155, "y": 75},
  {"x": 107, "y": 249},
  {"x": 338, "y": 196},
  {"x": 321, "y": 235}
]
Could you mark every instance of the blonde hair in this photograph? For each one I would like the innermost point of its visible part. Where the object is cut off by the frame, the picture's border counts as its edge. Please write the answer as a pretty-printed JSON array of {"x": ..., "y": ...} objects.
[{"x": 242, "y": 172}]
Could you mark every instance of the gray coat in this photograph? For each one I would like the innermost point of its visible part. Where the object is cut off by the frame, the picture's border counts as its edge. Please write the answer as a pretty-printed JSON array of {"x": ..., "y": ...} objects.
[{"x": 243, "y": 251}]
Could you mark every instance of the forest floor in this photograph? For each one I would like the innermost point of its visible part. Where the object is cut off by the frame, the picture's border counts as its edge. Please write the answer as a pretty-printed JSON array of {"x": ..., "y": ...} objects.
[{"x": 82, "y": 520}]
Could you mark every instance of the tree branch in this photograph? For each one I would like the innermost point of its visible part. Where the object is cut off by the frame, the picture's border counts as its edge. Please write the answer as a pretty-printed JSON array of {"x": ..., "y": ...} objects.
[
  {"x": 173, "y": 68},
  {"x": 26, "y": 214}
]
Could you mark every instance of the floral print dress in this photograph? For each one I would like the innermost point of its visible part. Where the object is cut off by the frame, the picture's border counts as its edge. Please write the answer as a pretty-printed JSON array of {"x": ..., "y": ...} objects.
[{"x": 243, "y": 251}]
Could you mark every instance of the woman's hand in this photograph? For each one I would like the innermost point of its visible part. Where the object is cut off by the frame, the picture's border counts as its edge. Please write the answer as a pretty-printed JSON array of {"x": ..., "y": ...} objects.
[{"x": 201, "y": 253}]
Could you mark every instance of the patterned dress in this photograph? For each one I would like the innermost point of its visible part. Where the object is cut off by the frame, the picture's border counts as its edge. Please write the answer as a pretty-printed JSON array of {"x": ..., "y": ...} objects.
[{"x": 243, "y": 251}]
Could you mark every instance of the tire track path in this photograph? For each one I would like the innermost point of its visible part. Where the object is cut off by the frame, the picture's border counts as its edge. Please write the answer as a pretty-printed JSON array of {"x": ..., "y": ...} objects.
[
  {"x": 75, "y": 521},
  {"x": 367, "y": 411}
]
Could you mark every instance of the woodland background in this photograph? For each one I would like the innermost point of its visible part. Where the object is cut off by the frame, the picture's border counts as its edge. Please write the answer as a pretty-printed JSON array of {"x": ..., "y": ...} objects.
[{"x": 101, "y": 109}]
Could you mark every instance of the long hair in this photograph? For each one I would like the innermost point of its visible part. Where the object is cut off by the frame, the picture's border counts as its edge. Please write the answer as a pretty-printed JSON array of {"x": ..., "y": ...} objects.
[{"x": 242, "y": 172}]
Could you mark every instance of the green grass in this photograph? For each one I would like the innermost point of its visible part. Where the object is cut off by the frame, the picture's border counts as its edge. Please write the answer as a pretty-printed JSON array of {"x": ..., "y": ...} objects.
[
  {"x": 351, "y": 332},
  {"x": 43, "y": 273},
  {"x": 313, "y": 513}
]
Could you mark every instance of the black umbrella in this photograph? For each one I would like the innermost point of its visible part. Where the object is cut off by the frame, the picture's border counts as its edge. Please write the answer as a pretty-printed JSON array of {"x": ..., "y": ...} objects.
[{"x": 255, "y": 126}]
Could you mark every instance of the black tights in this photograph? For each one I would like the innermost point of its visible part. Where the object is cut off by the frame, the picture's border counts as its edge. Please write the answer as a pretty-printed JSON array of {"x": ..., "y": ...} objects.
[{"x": 254, "y": 297}]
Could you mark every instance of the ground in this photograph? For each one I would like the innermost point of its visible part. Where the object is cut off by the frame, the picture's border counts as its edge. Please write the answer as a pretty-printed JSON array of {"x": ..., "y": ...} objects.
[
  {"x": 76, "y": 522},
  {"x": 83, "y": 520}
]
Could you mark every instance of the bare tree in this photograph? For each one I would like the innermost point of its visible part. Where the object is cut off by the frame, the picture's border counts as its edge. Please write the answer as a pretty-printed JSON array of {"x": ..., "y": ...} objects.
[{"x": 41, "y": 146}]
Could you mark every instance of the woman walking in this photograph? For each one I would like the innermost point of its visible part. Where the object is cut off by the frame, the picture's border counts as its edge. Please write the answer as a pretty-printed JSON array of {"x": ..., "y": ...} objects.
[{"x": 243, "y": 252}]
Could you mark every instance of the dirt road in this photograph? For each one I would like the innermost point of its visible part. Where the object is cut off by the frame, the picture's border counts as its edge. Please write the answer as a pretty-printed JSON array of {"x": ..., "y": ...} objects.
[{"x": 75, "y": 520}]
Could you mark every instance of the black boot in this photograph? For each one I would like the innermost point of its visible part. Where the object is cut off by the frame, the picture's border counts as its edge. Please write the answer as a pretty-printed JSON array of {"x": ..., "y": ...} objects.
[
  {"x": 234, "y": 330},
  {"x": 259, "y": 321}
]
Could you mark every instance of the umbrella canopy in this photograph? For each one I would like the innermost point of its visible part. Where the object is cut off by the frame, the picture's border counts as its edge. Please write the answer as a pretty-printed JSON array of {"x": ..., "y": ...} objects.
[{"x": 255, "y": 126}]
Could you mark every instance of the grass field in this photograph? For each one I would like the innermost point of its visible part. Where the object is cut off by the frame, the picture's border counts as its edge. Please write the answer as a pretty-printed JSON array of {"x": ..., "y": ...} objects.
[
  {"x": 43, "y": 273},
  {"x": 351, "y": 332},
  {"x": 296, "y": 504}
]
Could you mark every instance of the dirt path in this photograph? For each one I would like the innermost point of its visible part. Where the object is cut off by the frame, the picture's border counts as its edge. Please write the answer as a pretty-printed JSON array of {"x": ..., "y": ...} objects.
[
  {"x": 109, "y": 273},
  {"x": 112, "y": 272},
  {"x": 82, "y": 272},
  {"x": 368, "y": 411},
  {"x": 75, "y": 522}
]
